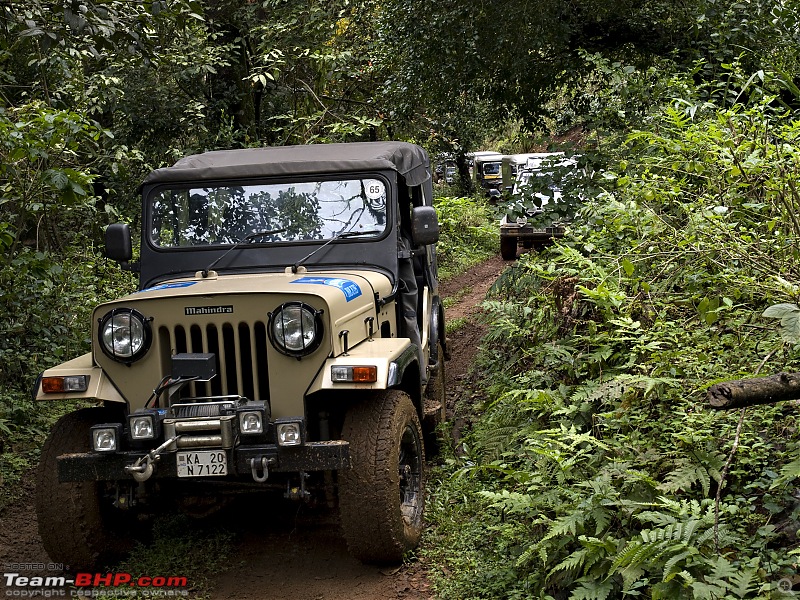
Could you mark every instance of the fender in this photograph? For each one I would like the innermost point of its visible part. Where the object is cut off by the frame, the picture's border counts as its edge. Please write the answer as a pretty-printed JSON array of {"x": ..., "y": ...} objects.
[
  {"x": 391, "y": 357},
  {"x": 99, "y": 387}
]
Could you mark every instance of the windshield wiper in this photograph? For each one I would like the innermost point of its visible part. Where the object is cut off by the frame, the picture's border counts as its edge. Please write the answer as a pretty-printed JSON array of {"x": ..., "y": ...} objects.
[
  {"x": 338, "y": 236},
  {"x": 245, "y": 240}
]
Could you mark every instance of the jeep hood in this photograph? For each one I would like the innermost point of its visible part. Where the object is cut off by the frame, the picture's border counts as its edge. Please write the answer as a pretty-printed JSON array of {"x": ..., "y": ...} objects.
[{"x": 354, "y": 289}]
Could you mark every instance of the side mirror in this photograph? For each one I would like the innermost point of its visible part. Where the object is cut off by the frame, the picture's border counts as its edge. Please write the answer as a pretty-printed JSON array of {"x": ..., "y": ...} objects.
[
  {"x": 424, "y": 226},
  {"x": 118, "y": 242}
]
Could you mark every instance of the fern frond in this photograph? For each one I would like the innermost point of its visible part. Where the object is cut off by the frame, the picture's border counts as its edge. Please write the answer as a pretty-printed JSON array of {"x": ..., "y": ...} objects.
[
  {"x": 592, "y": 590},
  {"x": 656, "y": 517},
  {"x": 568, "y": 524},
  {"x": 573, "y": 562},
  {"x": 789, "y": 473},
  {"x": 599, "y": 549},
  {"x": 674, "y": 565},
  {"x": 689, "y": 529},
  {"x": 667, "y": 550},
  {"x": 601, "y": 517},
  {"x": 493, "y": 443},
  {"x": 723, "y": 569},
  {"x": 509, "y": 502},
  {"x": 527, "y": 556},
  {"x": 707, "y": 536},
  {"x": 616, "y": 387},
  {"x": 743, "y": 583},
  {"x": 634, "y": 553},
  {"x": 685, "y": 476},
  {"x": 705, "y": 591}
]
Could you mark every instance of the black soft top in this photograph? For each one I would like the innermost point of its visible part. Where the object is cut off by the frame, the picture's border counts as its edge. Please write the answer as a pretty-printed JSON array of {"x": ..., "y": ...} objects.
[{"x": 409, "y": 160}]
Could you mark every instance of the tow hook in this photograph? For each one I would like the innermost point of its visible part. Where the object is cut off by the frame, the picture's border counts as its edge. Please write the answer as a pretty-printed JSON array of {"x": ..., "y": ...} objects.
[
  {"x": 143, "y": 468},
  {"x": 264, "y": 469}
]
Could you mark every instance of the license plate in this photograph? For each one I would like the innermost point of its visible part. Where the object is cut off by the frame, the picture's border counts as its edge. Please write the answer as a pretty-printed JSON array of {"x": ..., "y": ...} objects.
[{"x": 204, "y": 463}]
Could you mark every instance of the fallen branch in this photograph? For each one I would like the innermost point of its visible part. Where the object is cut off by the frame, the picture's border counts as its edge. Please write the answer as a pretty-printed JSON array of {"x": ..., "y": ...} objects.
[{"x": 755, "y": 391}]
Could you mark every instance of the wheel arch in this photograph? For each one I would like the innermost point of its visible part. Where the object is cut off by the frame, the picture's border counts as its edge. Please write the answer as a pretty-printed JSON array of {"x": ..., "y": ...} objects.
[
  {"x": 438, "y": 328},
  {"x": 410, "y": 384}
]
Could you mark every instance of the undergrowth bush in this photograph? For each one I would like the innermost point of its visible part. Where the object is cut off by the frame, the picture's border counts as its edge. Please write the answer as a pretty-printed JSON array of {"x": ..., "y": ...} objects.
[
  {"x": 469, "y": 234},
  {"x": 597, "y": 470},
  {"x": 45, "y": 310}
]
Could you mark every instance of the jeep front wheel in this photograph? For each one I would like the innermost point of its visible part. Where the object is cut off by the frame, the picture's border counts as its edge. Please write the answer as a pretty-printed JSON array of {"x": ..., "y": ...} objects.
[
  {"x": 78, "y": 526},
  {"x": 382, "y": 497}
]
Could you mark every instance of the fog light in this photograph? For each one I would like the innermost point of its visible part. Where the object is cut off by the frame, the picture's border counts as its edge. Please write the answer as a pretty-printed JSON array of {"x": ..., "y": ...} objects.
[
  {"x": 354, "y": 374},
  {"x": 142, "y": 427},
  {"x": 70, "y": 383},
  {"x": 289, "y": 433},
  {"x": 105, "y": 438},
  {"x": 145, "y": 424},
  {"x": 251, "y": 422}
]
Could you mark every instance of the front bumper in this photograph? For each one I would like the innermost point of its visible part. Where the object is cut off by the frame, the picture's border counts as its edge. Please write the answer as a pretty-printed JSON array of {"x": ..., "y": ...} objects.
[{"x": 311, "y": 456}]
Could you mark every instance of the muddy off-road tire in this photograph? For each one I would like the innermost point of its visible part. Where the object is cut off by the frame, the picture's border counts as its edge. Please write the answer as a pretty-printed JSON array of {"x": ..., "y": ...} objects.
[
  {"x": 508, "y": 247},
  {"x": 382, "y": 497},
  {"x": 78, "y": 526}
]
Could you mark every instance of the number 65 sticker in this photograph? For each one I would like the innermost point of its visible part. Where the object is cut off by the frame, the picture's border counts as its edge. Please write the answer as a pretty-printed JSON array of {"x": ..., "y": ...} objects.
[{"x": 374, "y": 189}]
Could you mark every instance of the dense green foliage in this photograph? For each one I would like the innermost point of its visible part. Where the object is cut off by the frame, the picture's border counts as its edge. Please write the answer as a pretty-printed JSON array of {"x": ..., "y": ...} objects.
[
  {"x": 595, "y": 470},
  {"x": 468, "y": 234}
]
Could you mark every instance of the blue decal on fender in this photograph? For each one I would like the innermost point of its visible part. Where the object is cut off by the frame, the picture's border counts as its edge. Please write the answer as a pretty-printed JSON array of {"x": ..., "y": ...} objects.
[
  {"x": 169, "y": 286},
  {"x": 350, "y": 289}
]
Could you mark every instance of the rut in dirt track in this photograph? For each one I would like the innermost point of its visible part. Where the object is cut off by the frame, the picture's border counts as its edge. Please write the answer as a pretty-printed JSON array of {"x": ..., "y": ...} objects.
[
  {"x": 296, "y": 552},
  {"x": 307, "y": 558}
]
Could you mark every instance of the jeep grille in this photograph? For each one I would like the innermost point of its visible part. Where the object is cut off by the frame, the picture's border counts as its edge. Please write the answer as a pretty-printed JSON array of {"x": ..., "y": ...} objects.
[{"x": 241, "y": 351}]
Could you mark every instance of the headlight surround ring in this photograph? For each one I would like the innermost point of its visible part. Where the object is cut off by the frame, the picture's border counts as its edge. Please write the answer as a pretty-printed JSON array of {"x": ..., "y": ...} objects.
[
  {"x": 295, "y": 329},
  {"x": 124, "y": 335}
]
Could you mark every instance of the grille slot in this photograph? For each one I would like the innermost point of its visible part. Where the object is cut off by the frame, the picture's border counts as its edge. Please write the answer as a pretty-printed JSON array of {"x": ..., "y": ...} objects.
[{"x": 241, "y": 356}]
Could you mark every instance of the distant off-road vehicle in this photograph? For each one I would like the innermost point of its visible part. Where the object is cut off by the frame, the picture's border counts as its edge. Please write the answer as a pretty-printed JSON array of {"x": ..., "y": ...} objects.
[
  {"x": 535, "y": 195},
  {"x": 287, "y": 335}
]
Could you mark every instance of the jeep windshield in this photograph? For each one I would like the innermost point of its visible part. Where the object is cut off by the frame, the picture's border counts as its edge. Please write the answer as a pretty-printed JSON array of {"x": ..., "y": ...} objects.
[{"x": 307, "y": 211}]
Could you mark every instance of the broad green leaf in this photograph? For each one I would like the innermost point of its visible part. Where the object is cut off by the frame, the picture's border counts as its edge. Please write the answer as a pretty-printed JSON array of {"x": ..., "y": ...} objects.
[
  {"x": 627, "y": 265},
  {"x": 778, "y": 311}
]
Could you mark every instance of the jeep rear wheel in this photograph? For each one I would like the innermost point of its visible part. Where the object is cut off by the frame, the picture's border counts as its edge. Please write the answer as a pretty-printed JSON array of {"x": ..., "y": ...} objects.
[
  {"x": 78, "y": 526},
  {"x": 382, "y": 497},
  {"x": 508, "y": 247}
]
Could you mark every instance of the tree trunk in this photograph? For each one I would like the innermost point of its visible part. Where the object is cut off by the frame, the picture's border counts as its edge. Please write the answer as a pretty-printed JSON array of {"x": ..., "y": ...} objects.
[
  {"x": 758, "y": 390},
  {"x": 464, "y": 179},
  {"x": 231, "y": 91}
]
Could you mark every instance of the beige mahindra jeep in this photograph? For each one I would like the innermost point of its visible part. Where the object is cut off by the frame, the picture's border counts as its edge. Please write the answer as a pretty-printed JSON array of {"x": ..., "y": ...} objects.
[{"x": 287, "y": 335}]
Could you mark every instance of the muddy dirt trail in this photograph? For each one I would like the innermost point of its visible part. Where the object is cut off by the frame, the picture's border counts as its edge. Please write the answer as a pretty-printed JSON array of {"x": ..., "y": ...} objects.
[{"x": 297, "y": 552}]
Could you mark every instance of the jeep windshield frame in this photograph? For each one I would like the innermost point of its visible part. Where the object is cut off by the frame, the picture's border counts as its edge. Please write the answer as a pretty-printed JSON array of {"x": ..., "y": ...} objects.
[
  {"x": 394, "y": 164},
  {"x": 195, "y": 250},
  {"x": 224, "y": 214}
]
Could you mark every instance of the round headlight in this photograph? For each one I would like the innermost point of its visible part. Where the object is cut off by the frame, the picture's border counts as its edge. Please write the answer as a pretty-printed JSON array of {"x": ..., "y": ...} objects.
[
  {"x": 124, "y": 334},
  {"x": 295, "y": 329}
]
